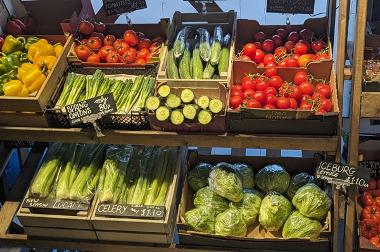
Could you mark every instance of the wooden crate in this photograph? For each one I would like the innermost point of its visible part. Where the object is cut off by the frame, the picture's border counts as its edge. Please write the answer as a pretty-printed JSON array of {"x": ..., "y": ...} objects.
[
  {"x": 57, "y": 223},
  {"x": 39, "y": 102},
  {"x": 284, "y": 121},
  {"x": 30, "y": 119},
  {"x": 370, "y": 105},
  {"x": 247, "y": 28},
  {"x": 144, "y": 230},
  {"x": 257, "y": 238},
  {"x": 227, "y": 20}
]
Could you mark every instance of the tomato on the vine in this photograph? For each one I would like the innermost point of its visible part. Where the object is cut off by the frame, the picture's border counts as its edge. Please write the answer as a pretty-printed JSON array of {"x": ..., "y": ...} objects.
[
  {"x": 131, "y": 37},
  {"x": 112, "y": 57},
  {"x": 283, "y": 103},
  {"x": 236, "y": 87},
  {"x": 275, "y": 81},
  {"x": 292, "y": 62},
  {"x": 269, "y": 106},
  {"x": 245, "y": 58},
  {"x": 375, "y": 240},
  {"x": 306, "y": 106},
  {"x": 280, "y": 52},
  {"x": 293, "y": 104},
  {"x": 130, "y": 55},
  {"x": 236, "y": 93},
  {"x": 249, "y": 50},
  {"x": 371, "y": 213},
  {"x": 270, "y": 90},
  {"x": 248, "y": 94},
  {"x": 259, "y": 56},
  {"x": 82, "y": 52},
  {"x": 327, "y": 105},
  {"x": 300, "y": 48},
  {"x": 295, "y": 92},
  {"x": 282, "y": 63},
  {"x": 271, "y": 64},
  {"x": 317, "y": 45},
  {"x": 268, "y": 58},
  {"x": 270, "y": 71},
  {"x": 307, "y": 88},
  {"x": 93, "y": 58},
  {"x": 304, "y": 59},
  {"x": 248, "y": 83},
  {"x": 289, "y": 46},
  {"x": 262, "y": 85},
  {"x": 368, "y": 228},
  {"x": 300, "y": 77},
  {"x": 252, "y": 103},
  {"x": 268, "y": 45},
  {"x": 260, "y": 96},
  {"x": 236, "y": 101},
  {"x": 104, "y": 51},
  {"x": 271, "y": 99},
  {"x": 143, "y": 53}
]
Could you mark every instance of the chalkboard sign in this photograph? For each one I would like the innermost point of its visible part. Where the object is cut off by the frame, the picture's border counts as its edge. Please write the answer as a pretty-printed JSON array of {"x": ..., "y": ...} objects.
[
  {"x": 91, "y": 110},
  {"x": 131, "y": 211},
  {"x": 114, "y": 7},
  {"x": 291, "y": 6},
  {"x": 55, "y": 204},
  {"x": 342, "y": 174},
  {"x": 373, "y": 166}
]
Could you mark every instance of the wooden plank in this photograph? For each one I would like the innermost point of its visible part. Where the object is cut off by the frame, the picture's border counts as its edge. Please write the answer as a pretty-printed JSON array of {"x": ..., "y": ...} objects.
[
  {"x": 347, "y": 73},
  {"x": 370, "y": 105},
  {"x": 260, "y": 141},
  {"x": 358, "y": 55}
]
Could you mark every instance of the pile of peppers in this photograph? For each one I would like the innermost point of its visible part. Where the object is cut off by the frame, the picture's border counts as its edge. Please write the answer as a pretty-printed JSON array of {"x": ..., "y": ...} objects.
[{"x": 25, "y": 63}]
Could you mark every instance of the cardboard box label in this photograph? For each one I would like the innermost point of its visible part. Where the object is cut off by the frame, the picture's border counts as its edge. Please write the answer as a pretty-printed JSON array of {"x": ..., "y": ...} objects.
[
  {"x": 291, "y": 6},
  {"x": 131, "y": 211},
  {"x": 55, "y": 204}
]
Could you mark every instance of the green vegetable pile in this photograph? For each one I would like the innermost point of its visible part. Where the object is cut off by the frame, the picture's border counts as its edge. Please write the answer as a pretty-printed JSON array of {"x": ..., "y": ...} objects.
[
  {"x": 226, "y": 202},
  {"x": 198, "y": 57},
  {"x": 130, "y": 95},
  {"x": 184, "y": 108}
]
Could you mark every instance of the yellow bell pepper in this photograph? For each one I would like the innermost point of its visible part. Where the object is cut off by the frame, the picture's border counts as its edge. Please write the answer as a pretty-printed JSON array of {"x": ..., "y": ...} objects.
[
  {"x": 37, "y": 83},
  {"x": 24, "y": 69},
  {"x": 58, "y": 48},
  {"x": 31, "y": 76},
  {"x": 40, "y": 48},
  {"x": 49, "y": 61},
  {"x": 15, "y": 88}
]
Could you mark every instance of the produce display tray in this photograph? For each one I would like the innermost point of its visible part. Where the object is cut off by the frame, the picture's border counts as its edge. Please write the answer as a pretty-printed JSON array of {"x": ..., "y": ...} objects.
[
  {"x": 133, "y": 121},
  {"x": 145, "y": 230},
  {"x": 257, "y": 237},
  {"x": 227, "y": 20},
  {"x": 284, "y": 121},
  {"x": 38, "y": 103}
]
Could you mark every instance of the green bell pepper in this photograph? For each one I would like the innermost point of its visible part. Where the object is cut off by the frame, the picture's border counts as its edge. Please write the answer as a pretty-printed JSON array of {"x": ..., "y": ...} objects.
[
  {"x": 12, "y": 44},
  {"x": 29, "y": 41}
]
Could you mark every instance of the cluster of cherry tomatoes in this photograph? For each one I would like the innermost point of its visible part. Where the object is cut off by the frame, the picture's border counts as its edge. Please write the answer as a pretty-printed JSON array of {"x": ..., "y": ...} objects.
[
  {"x": 270, "y": 91},
  {"x": 285, "y": 49},
  {"x": 133, "y": 48},
  {"x": 370, "y": 215}
]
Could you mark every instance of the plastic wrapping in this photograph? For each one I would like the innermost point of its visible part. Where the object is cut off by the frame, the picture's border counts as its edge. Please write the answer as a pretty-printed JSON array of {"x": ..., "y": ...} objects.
[
  {"x": 299, "y": 226},
  {"x": 206, "y": 197},
  {"x": 180, "y": 40},
  {"x": 226, "y": 183},
  {"x": 274, "y": 211},
  {"x": 198, "y": 176},
  {"x": 201, "y": 219},
  {"x": 297, "y": 182},
  {"x": 249, "y": 206},
  {"x": 246, "y": 174},
  {"x": 230, "y": 223},
  {"x": 204, "y": 44},
  {"x": 69, "y": 172},
  {"x": 312, "y": 202},
  {"x": 272, "y": 178}
]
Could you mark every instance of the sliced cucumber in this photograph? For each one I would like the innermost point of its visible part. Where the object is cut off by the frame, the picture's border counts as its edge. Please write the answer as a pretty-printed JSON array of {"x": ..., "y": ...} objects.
[
  {"x": 152, "y": 103},
  {"x": 189, "y": 111},
  {"x": 204, "y": 117},
  {"x": 216, "y": 106},
  {"x": 177, "y": 117},
  {"x": 187, "y": 96},
  {"x": 203, "y": 102},
  {"x": 162, "y": 113},
  {"x": 164, "y": 91},
  {"x": 173, "y": 101}
]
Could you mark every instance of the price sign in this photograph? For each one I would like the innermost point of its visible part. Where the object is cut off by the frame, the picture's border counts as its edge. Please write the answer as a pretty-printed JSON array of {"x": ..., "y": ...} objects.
[
  {"x": 342, "y": 174},
  {"x": 373, "y": 166},
  {"x": 55, "y": 204},
  {"x": 114, "y": 7},
  {"x": 131, "y": 211},
  {"x": 291, "y": 6},
  {"x": 88, "y": 111}
]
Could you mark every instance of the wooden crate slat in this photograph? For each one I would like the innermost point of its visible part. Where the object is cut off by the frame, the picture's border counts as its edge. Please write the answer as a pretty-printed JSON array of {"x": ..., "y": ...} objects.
[{"x": 370, "y": 105}]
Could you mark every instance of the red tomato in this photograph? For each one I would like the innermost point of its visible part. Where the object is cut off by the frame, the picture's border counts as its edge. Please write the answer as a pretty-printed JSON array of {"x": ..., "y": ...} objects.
[
  {"x": 143, "y": 53},
  {"x": 270, "y": 90},
  {"x": 377, "y": 201},
  {"x": 306, "y": 98},
  {"x": 129, "y": 56},
  {"x": 268, "y": 58},
  {"x": 293, "y": 103},
  {"x": 235, "y": 102},
  {"x": 322, "y": 56},
  {"x": 325, "y": 91},
  {"x": 93, "y": 58},
  {"x": 277, "y": 40},
  {"x": 109, "y": 40},
  {"x": 375, "y": 241},
  {"x": 271, "y": 99},
  {"x": 300, "y": 48},
  {"x": 280, "y": 52},
  {"x": 270, "y": 71},
  {"x": 317, "y": 95},
  {"x": 249, "y": 50},
  {"x": 245, "y": 58},
  {"x": 269, "y": 106},
  {"x": 292, "y": 62},
  {"x": 131, "y": 38},
  {"x": 368, "y": 228},
  {"x": 144, "y": 43},
  {"x": 289, "y": 46},
  {"x": 248, "y": 83},
  {"x": 252, "y": 103},
  {"x": 262, "y": 85},
  {"x": 260, "y": 36},
  {"x": 260, "y": 96},
  {"x": 306, "y": 34},
  {"x": 300, "y": 77},
  {"x": 261, "y": 64},
  {"x": 104, "y": 51},
  {"x": 371, "y": 213},
  {"x": 303, "y": 60},
  {"x": 268, "y": 45},
  {"x": 284, "y": 90},
  {"x": 317, "y": 45},
  {"x": 84, "y": 41},
  {"x": 259, "y": 56},
  {"x": 282, "y": 63},
  {"x": 306, "y": 106},
  {"x": 307, "y": 88},
  {"x": 293, "y": 36},
  {"x": 295, "y": 92},
  {"x": 258, "y": 45},
  {"x": 282, "y": 32},
  {"x": 248, "y": 94},
  {"x": 320, "y": 111},
  {"x": 327, "y": 105},
  {"x": 237, "y": 87},
  {"x": 82, "y": 52},
  {"x": 306, "y": 43},
  {"x": 95, "y": 43},
  {"x": 121, "y": 47},
  {"x": 236, "y": 93},
  {"x": 112, "y": 57},
  {"x": 271, "y": 64},
  {"x": 283, "y": 103},
  {"x": 275, "y": 81},
  {"x": 140, "y": 61}
]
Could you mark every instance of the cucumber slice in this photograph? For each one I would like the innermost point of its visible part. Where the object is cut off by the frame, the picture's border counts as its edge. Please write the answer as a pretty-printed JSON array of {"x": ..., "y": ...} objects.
[
  {"x": 177, "y": 117},
  {"x": 152, "y": 103},
  {"x": 203, "y": 102},
  {"x": 187, "y": 96},
  {"x": 173, "y": 101},
  {"x": 216, "y": 106},
  {"x": 164, "y": 91},
  {"x": 162, "y": 113},
  {"x": 204, "y": 117},
  {"x": 189, "y": 111}
]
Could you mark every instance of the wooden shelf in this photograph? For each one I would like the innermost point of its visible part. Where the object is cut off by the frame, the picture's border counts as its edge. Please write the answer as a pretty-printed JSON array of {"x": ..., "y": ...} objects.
[
  {"x": 347, "y": 73},
  {"x": 297, "y": 142}
]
